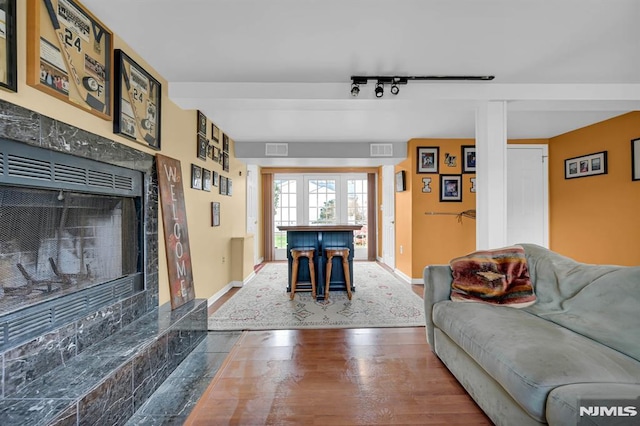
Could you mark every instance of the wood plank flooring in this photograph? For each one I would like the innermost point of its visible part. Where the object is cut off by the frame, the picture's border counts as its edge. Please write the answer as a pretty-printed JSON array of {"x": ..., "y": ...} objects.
[{"x": 383, "y": 376}]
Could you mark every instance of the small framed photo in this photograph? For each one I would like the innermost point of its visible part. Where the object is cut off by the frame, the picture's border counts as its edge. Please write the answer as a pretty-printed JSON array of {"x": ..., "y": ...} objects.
[
  {"x": 8, "y": 49},
  {"x": 635, "y": 159},
  {"x": 450, "y": 187},
  {"x": 137, "y": 102},
  {"x": 225, "y": 161},
  {"x": 203, "y": 146},
  {"x": 223, "y": 185},
  {"x": 215, "y": 178},
  {"x": 196, "y": 177},
  {"x": 202, "y": 124},
  {"x": 401, "y": 181},
  {"x": 215, "y": 154},
  {"x": 586, "y": 165},
  {"x": 225, "y": 143},
  {"x": 468, "y": 158},
  {"x": 428, "y": 159},
  {"x": 206, "y": 179},
  {"x": 215, "y": 213},
  {"x": 229, "y": 187},
  {"x": 215, "y": 133}
]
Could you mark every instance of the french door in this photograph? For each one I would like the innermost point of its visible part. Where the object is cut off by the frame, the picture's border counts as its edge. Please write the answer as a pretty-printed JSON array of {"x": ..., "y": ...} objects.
[{"x": 320, "y": 199}]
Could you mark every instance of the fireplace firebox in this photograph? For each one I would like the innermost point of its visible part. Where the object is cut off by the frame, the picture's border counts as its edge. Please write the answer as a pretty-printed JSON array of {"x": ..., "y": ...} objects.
[{"x": 70, "y": 238}]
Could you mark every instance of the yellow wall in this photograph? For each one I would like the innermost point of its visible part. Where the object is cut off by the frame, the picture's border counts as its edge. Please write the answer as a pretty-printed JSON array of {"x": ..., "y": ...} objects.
[
  {"x": 208, "y": 245},
  {"x": 595, "y": 219}
]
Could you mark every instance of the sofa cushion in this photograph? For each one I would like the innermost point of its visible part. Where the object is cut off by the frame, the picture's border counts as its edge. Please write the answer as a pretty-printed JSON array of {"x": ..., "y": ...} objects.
[
  {"x": 528, "y": 355},
  {"x": 498, "y": 276},
  {"x": 601, "y": 302}
]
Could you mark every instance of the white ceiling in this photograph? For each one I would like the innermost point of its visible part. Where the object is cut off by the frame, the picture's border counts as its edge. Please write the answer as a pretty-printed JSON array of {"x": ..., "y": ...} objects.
[{"x": 279, "y": 70}]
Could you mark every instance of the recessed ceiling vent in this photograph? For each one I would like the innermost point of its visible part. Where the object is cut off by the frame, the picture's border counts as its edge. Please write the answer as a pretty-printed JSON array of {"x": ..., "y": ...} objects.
[
  {"x": 381, "y": 150},
  {"x": 276, "y": 149}
]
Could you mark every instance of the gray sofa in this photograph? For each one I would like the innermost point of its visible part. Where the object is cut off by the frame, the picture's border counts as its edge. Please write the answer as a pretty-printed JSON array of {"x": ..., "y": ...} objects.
[{"x": 578, "y": 345}]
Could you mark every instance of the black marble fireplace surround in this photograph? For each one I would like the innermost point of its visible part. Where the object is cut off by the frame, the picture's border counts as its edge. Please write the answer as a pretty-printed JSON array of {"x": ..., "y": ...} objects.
[{"x": 100, "y": 367}]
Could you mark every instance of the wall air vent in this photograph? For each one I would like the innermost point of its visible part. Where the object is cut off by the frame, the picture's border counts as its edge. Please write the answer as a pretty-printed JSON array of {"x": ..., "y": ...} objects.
[
  {"x": 381, "y": 150},
  {"x": 276, "y": 149}
]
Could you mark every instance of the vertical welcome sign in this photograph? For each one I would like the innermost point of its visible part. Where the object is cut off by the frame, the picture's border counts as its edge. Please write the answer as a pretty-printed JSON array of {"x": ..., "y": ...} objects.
[{"x": 176, "y": 234}]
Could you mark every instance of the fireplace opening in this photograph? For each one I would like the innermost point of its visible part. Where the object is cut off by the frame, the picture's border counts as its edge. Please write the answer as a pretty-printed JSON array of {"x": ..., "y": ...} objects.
[{"x": 56, "y": 242}]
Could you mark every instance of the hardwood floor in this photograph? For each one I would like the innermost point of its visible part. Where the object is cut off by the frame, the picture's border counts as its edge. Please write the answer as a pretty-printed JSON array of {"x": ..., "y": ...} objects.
[{"x": 383, "y": 376}]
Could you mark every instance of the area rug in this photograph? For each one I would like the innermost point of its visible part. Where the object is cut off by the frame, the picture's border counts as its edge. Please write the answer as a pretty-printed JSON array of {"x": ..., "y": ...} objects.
[{"x": 380, "y": 300}]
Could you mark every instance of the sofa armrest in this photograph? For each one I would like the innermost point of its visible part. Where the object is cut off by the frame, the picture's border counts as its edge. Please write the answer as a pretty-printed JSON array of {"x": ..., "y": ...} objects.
[
  {"x": 564, "y": 402},
  {"x": 437, "y": 287}
]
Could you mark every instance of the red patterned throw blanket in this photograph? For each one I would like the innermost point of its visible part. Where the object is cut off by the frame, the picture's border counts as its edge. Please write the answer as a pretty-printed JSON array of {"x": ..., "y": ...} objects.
[{"x": 498, "y": 277}]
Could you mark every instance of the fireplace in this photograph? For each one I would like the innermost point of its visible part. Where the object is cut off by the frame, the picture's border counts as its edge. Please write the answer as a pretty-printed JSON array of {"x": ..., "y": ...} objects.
[
  {"x": 71, "y": 238},
  {"x": 54, "y": 243}
]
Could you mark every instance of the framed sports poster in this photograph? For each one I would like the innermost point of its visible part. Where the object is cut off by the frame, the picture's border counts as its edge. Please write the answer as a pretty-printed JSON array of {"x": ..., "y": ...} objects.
[
  {"x": 8, "y": 68},
  {"x": 69, "y": 54},
  {"x": 136, "y": 102}
]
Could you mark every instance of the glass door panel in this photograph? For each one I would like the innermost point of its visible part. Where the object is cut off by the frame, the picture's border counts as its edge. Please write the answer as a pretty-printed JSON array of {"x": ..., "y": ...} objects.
[
  {"x": 357, "y": 208},
  {"x": 321, "y": 198},
  {"x": 285, "y": 204}
]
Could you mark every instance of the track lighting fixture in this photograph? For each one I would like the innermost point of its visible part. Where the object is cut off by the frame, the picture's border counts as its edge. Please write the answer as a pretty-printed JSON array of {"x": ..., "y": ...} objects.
[
  {"x": 379, "y": 90},
  {"x": 355, "y": 90},
  {"x": 395, "y": 81}
]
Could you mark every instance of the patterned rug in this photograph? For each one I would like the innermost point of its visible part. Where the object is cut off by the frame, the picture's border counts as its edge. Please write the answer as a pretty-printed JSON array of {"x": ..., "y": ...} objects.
[{"x": 380, "y": 300}]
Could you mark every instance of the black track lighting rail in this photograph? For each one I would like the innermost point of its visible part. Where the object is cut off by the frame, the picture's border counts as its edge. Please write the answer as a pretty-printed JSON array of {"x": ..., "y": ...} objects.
[{"x": 398, "y": 79}]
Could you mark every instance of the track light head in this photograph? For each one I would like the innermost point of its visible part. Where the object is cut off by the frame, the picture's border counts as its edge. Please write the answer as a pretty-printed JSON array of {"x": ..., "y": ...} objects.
[
  {"x": 355, "y": 90},
  {"x": 395, "y": 89},
  {"x": 379, "y": 90}
]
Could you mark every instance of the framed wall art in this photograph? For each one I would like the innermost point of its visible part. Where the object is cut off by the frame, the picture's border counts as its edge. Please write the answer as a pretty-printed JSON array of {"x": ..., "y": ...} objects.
[
  {"x": 206, "y": 179},
  {"x": 215, "y": 133},
  {"x": 225, "y": 143},
  {"x": 635, "y": 159},
  {"x": 586, "y": 165},
  {"x": 225, "y": 161},
  {"x": 450, "y": 187},
  {"x": 196, "y": 177},
  {"x": 229, "y": 187},
  {"x": 8, "y": 58},
  {"x": 136, "y": 107},
  {"x": 203, "y": 146},
  {"x": 223, "y": 185},
  {"x": 468, "y": 158},
  {"x": 202, "y": 124},
  {"x": 401, "y": 181},
  {"x": 215, "y": 213},
  {"x": 215, "y": 178},
  {"x": 69, "y": 54},
  {"x": 428, "y": 159}
]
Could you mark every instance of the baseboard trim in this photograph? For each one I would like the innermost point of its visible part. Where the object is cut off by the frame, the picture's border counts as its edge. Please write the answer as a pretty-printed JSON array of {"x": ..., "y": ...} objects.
[
  {"x": 407, "y": 278},
  {"x": 213, "y": 299}
]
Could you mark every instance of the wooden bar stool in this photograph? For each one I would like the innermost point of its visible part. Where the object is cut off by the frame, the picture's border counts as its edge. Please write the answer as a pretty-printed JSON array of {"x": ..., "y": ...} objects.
[
  {"x": 332, "y": 252},
  {"x": 296, "y": 254}
]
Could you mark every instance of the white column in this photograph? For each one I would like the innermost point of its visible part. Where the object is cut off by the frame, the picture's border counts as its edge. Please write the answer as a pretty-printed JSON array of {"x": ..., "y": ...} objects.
[{"x": 491, "y": 175}]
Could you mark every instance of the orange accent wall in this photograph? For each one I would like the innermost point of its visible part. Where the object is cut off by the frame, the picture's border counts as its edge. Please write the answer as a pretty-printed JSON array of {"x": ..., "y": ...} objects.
[
  {"x": 596, "y": 219},
  {"x": 404, "y": 220}
]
